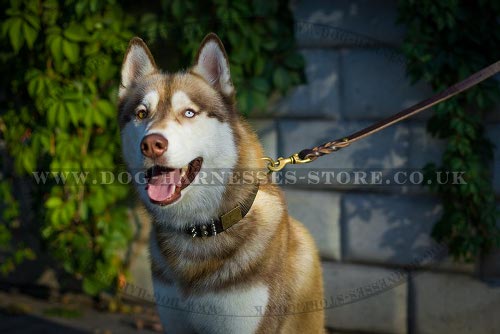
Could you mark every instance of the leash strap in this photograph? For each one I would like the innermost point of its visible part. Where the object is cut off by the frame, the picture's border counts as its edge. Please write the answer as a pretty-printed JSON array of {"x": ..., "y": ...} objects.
[{"x": 308, "y": 155}]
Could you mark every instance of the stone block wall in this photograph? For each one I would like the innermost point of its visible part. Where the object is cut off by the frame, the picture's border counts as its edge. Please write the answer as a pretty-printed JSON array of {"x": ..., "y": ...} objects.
[{"x": 383, "y": 272}]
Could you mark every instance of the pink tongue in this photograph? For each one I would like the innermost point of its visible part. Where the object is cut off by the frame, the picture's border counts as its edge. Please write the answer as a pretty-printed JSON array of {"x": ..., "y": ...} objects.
[{"x": 162, "y": 187}]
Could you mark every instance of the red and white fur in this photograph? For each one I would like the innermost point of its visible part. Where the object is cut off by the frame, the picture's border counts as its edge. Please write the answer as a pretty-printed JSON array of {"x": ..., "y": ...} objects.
[{"x": 259, "y": 275}]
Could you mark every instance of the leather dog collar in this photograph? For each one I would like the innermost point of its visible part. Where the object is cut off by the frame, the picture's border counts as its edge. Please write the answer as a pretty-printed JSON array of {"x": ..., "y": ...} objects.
[{"x": 225, "y": 221}]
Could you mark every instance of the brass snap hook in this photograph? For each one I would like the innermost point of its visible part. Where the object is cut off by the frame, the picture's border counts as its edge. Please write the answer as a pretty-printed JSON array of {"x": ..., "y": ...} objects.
[{"x": 277, "y": 165}]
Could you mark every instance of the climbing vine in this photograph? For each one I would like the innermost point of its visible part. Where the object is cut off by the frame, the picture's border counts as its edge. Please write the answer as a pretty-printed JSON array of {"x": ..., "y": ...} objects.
[
  {"x": 445, "y": 42},
  {"x": 60, "y": 74}
]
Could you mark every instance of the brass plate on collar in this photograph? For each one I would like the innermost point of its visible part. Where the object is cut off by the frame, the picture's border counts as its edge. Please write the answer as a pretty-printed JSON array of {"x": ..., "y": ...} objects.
[{"x": 230, "y": 218}]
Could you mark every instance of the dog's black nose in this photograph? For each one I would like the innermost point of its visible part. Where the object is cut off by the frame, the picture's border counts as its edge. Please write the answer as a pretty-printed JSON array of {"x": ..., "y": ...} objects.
[{"x": 154, "y": 145}]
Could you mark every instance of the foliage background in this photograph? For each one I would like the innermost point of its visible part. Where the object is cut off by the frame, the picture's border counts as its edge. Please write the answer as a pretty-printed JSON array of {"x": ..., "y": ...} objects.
[
  {"x": 60, "y": 74},
  {"x": 447, "y": 41}
]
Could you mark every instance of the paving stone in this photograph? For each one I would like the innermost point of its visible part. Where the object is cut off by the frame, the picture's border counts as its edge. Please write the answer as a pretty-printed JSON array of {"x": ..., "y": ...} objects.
[
  {"x": 490, "y": 262},
  {"x": 319, "y": 96},
  {"x": 140, "y": 268},
  {"x": 375, "y": 85},
  {"x": 319, "y": 211},
  {"x": 268, "y": 135},
  {"x": 447, "y": 303},
  {"x": 358, "y": 23},
  {"x": 37, "y": 320},
  {"x": 22, "y": 324},
  {"x": 140, "y": 264},
  {"x": 365, "y": 298},
  {"x": 383, "y": 152},
  {"x": 490, "y": 265}
]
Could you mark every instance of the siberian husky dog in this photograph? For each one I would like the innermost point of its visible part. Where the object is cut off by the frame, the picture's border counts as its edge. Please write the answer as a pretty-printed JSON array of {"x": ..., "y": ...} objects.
[{"x": 226, "y": 257}]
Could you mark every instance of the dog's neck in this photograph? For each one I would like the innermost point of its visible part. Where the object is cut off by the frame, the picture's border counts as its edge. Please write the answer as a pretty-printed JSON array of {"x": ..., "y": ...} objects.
[
  {"x": 235, "y": 196},
  {"x": 225, "y": 218}
]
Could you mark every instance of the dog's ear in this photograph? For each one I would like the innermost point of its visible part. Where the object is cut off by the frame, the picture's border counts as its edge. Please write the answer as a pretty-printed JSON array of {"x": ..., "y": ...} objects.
[
  {"x": 213, "y": 65},
  {"x": 137, "y": 63}
]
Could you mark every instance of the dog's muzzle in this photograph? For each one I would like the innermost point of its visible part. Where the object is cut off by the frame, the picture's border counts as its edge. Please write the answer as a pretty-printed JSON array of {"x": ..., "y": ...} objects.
[{"x": 154, "y": 145}]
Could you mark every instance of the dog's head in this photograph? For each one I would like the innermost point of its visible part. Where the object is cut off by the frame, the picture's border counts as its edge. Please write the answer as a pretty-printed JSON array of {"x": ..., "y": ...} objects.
[{"x": 174, "y": 126}]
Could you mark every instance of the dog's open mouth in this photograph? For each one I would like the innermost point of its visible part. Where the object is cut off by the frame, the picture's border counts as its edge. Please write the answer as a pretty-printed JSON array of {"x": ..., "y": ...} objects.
[{"x": 165, "y": 184}]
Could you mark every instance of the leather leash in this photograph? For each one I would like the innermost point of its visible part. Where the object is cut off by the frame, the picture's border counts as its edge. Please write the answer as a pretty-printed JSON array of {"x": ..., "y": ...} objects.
[{"x": 308, "y": 155}]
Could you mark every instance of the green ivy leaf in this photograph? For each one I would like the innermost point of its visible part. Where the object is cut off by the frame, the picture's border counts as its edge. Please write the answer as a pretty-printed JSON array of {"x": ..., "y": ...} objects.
[
  {"x": 15, "y": 35},
  {"x": 56, "y": 45},
  {"x": 295, "y": 61},
  {"x": 106, "y": 108},
  {"x": 53, "y": 202},
  {"x": 51, "y": 115},
  {"x": 92, "y": 286},
  {"x": 73, "y": 112},
  {"x": 260, "y": 84},
  {"x": 260, "y": 100},
  {"x": 33, "y": 20},
  {"x": 70, "y": 50},
  {"x": 281, "y": 78},
  {"x": 30, "y": 35},
  {"x": 76, "y": 33}
]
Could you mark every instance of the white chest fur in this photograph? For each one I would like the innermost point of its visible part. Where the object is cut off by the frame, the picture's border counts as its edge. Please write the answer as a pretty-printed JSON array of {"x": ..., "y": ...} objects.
[{"x": 231, "y": 311}]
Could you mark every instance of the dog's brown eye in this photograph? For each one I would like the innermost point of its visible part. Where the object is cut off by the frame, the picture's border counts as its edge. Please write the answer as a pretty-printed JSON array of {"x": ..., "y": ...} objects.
[
  {"x": 141, "y": 112},
  {"x": 189, "y": 113}
]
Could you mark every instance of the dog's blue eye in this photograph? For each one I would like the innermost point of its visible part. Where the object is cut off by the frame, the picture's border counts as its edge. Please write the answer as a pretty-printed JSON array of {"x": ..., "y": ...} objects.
[{"x": 189, "y": 113}]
